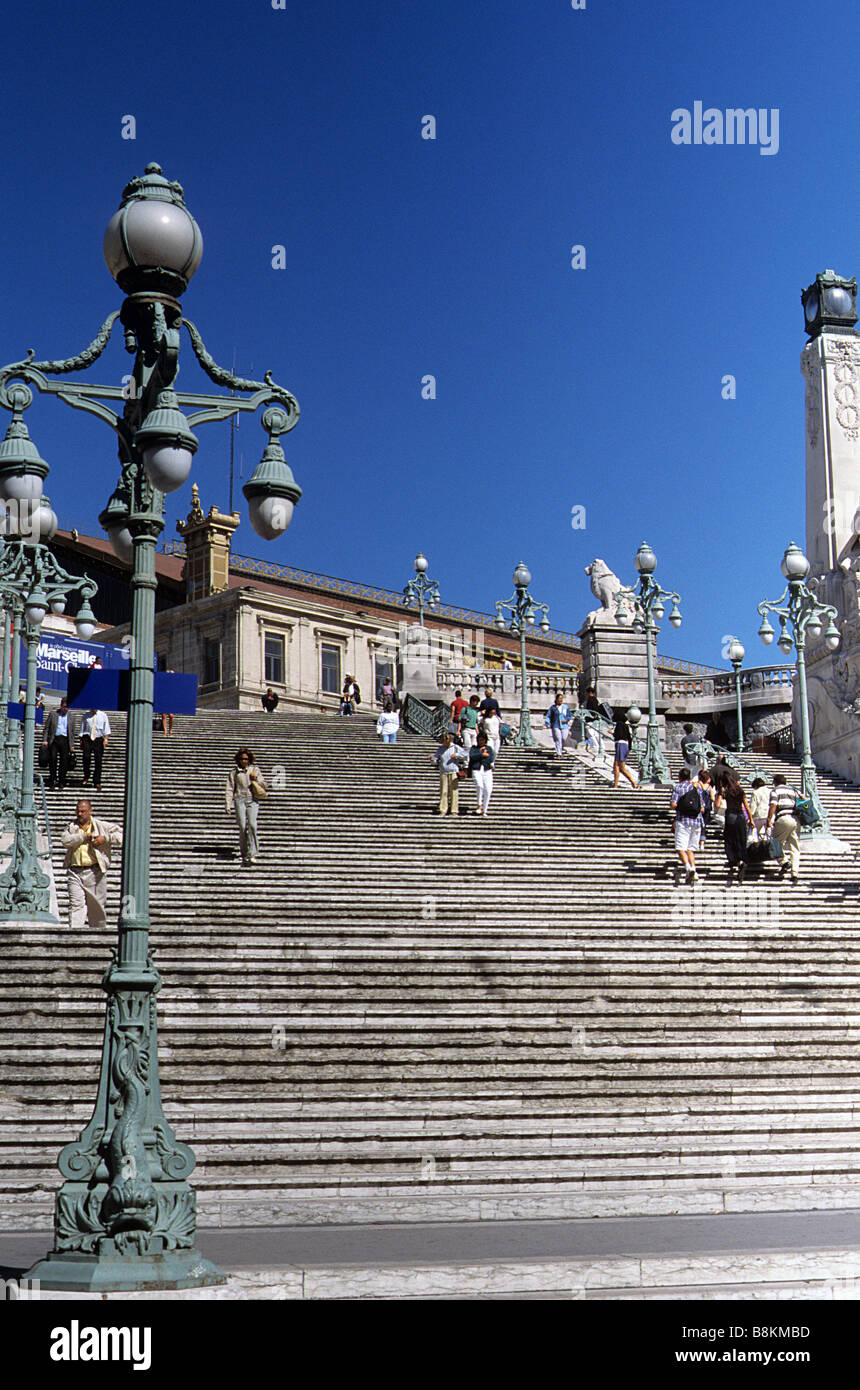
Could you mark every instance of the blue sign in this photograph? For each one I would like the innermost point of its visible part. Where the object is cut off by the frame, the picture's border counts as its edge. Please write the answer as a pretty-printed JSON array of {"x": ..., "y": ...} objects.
[
  {"x": 108, "y": 690},
  {"x": 14, "y": 710},
  {"x": 58, "y": 653}
]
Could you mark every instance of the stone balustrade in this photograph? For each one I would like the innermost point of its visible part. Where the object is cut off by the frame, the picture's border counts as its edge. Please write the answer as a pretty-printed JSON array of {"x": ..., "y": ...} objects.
[{"x": 773, "y": 682}]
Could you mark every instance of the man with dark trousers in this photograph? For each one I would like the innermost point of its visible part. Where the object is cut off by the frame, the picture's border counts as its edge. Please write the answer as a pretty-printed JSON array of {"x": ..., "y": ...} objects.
[{"x": 59, "y": 738}]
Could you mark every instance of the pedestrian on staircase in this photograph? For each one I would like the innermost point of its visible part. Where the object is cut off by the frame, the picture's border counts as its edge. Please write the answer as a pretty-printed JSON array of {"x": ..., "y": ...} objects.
[
  {"x": 782, "y": 822},
  {"x": 623, "y": 736},
  {"x": 481, "y": 759},
  {"x": 59, "y": 736},
  {"x": 88, "y": 843},
  {"x": 739, "y": 820},
  {"x": 469, "y": 723},
  {"x": 688, "y": 805},
  {"x": 388, "y": 723},
  {"x": 95, "y": 732},
  {"x": 558, "y": 718},
  {"x": 270, "y": 700},
  {"x": 351, "y": 696},
  {"x": 759, "y": 802},
  {"x": 449, "y": 759},
  {"x": 491, "y": 725},
  {"x": 245, "y": 789}
]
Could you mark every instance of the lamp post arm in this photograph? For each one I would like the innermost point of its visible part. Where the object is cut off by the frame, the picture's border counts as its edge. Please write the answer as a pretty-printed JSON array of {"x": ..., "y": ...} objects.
[
  {"x": 69, "y": 364},
  {"x": 222, "y": 377}
]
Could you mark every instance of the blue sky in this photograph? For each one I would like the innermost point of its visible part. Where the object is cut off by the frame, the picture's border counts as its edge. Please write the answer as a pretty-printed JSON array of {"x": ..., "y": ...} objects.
[{"x": 407, "y": 257}]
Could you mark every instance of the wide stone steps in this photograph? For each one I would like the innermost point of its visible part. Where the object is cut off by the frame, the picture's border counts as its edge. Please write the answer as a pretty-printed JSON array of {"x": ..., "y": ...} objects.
[{"x": 393, "y": 1016}]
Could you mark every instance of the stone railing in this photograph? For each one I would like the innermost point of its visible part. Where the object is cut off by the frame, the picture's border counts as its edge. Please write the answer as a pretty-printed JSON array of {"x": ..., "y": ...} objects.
[
  {"x": 540, "y": 684},
  {"x": 753, "y": 680}
]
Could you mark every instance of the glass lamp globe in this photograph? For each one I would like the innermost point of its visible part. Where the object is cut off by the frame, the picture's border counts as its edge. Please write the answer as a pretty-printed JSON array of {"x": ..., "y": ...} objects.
[
  {"x": 621, "y": 616},
  {"x": 85, "y": 622},
  {"x": 832, "y": 637},
  {"x": 659, "y": 609},
  {"x": 58, "y": 606},
  {"x": 421, "y": 564},
  {"x": 270, "y": 516},
  {"x": 784, "y": 643},
  {"x": 634, "y": 716},
  {"x": 152, "y": 242},
  {"x": 43, "y": 521},
  {"x": 794, "y": 563},
  {"x": 638, "y": 625},
  {"x": 675, "y": 616},
  {"x": 530, "y": 619},
  {"x": 36, "y": 608},
  {"x": 167, "y": 466},
  {"x": 544, "y": 627},
  {"x": 646, "y": 560},
  {"x": 522, "y": 576},
  {"x": 500, "y": 622},
  {"x": 766, "y": 632},
  {"x": 814, "y": 626},
  {"x": 837, "y": 300},
  {"x": 736, "y": 651},
  {"x": 122, "y": 543}
]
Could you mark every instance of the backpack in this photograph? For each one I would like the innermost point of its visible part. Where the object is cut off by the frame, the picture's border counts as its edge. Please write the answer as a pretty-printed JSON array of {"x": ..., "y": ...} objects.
[
  {"x": 689, "y": 805},
  {"x": 805, "y": 811}
]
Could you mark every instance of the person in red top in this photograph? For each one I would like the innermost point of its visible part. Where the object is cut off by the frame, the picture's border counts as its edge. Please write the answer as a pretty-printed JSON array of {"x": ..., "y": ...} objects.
[{"x": 459, "y": 704}]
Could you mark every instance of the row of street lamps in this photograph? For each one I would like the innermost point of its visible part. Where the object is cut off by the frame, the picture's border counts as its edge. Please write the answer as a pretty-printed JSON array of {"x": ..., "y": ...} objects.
[{"x": 643, "y": 608}]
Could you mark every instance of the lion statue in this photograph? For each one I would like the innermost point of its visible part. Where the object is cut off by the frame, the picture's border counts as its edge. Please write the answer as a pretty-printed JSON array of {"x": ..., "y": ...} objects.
[{"x": 605, "y": 586}]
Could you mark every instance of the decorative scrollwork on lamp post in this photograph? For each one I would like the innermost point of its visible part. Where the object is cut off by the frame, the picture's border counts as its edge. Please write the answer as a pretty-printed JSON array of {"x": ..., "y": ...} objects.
[
  {"x": 522, "y": 608},
  {"x": 801, "y": 610},
  {"x": 126, "y": 1216},
  {"x": 649, "y": 605}
]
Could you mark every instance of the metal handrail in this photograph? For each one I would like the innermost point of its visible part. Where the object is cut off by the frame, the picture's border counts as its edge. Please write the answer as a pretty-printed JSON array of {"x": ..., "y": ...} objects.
[{"x": 430, "y": 720}]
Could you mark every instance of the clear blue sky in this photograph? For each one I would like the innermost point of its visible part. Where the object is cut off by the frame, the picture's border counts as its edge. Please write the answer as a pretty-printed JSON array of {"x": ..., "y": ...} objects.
[{"x": 405, "y": 257}]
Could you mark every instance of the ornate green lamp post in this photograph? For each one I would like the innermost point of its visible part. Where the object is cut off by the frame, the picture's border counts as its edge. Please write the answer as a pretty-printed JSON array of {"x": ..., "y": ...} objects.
[
  {"x": 126, "y": 1216},
  {"x": 421, "y": 590},
  {"x": 522, "y": 608},
  {"x": 649, "y": 605},
  {"x": 799, "y": 607},
  {"x": 30, "y": 573},
  {"x": 736, "y": 655}
]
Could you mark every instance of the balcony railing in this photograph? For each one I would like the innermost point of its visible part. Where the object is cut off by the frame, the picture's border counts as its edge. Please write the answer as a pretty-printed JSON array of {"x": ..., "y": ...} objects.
[{"x": 754, "y": 679}]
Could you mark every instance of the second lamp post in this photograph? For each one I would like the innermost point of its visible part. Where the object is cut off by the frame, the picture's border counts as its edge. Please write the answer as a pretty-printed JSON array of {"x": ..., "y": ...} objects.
[
  {"x": 799, "y": 607},
  {"x": 522, "y": 608},
  {"x": 649, "y": 605}
]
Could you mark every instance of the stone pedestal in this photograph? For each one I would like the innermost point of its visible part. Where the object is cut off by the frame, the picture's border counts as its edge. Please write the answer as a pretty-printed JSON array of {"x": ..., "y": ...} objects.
[{"x": 615, "y": 662}]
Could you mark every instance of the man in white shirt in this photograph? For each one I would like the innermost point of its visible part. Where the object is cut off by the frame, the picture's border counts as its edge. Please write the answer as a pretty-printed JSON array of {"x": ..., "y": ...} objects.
[{"x": 95, "y": 732}]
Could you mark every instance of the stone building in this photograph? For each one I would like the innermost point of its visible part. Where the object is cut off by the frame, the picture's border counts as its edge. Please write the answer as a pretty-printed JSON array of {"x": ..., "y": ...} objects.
[{"x": 241, "y": 624}]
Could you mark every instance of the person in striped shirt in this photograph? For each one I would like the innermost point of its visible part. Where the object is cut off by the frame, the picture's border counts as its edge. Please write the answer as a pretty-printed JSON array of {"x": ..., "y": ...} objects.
[{"x": 783, "y": 822}]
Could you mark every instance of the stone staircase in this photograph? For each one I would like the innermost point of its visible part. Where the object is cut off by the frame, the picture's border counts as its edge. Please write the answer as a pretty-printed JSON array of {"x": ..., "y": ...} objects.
[{"x": 396, "y": 1017}]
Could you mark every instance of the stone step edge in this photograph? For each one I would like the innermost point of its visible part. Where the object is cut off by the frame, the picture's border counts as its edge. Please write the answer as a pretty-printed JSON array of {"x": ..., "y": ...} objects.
[
  {"x": 34, "y": 1212},
  {"x": 825, "y": 1273}
]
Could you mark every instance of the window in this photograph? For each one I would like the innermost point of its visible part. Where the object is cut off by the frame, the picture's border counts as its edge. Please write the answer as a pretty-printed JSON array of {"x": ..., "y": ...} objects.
[
  {"x": 274, "y": 658},
  {"x": 211, "y": 661},
  {"x": 330, "y": 669},
  {"x": 384, "y": 672}
]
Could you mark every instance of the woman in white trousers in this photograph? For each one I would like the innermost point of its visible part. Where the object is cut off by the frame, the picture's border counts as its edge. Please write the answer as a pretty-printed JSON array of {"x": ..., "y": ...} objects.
[{"x": 481, "y": 759}]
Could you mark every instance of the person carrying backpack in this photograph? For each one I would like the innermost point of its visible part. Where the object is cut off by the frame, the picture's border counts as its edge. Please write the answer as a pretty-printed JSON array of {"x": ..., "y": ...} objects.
[{"x": 688, "y": 805}]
